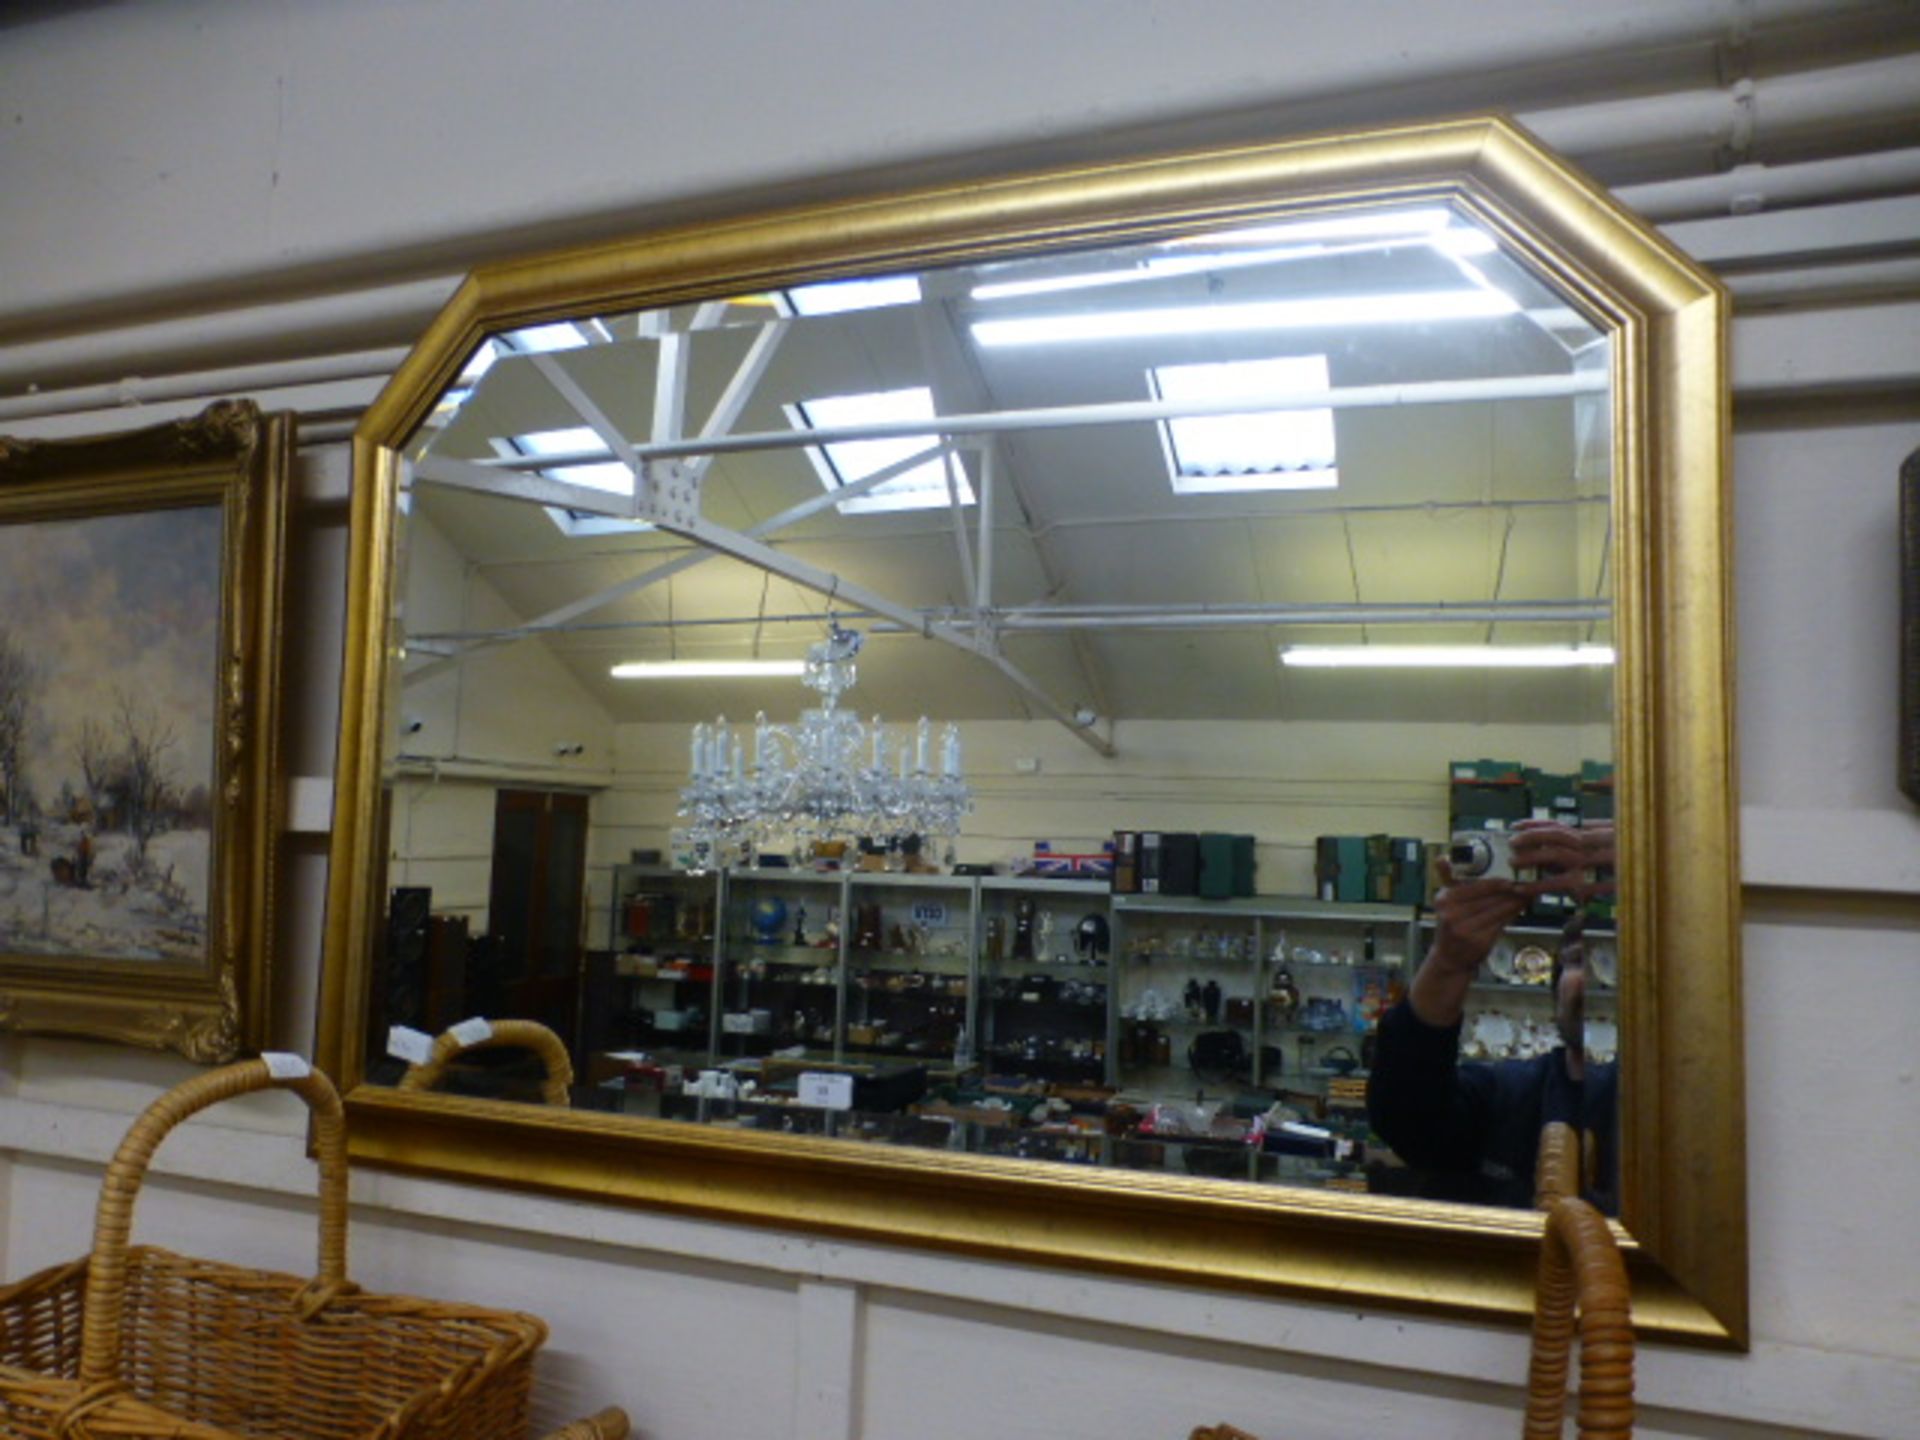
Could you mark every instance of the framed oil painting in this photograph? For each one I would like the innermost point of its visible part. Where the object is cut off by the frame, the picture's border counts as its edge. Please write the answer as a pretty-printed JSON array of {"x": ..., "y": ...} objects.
[{"x": 140, "y": 604}]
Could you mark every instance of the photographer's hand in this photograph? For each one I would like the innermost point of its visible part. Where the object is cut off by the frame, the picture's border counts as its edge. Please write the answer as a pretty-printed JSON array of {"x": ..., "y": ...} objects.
[
  {"x": 1469, "y": 919},
  {"x": 1568, "y": 861}
]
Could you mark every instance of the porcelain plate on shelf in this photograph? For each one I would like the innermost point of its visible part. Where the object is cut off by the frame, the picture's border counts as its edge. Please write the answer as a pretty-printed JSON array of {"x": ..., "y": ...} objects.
[
  {"x": 1490, "y": 1036},
  {"x": 1602, "y": 1040},
  {"x": 1500, "y": 962},
  {"x": 1533, "y": 966},
  {"x": 1603, "y": 964}
]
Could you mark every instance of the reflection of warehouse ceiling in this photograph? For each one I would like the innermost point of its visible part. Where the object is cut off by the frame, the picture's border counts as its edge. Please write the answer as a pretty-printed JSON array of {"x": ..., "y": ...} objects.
[{"x": 1097, "y": 564}]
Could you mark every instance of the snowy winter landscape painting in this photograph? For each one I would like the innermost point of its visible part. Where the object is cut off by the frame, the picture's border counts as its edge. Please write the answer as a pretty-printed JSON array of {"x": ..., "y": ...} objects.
[{"x": 109, "y": 663}]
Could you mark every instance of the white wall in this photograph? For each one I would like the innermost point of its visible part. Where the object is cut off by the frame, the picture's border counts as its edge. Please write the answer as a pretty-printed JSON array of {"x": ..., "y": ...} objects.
[
  {"x": 469, "y": 743},
  {"x": 171, "y": 167},
  {"x": 1282, "y": 784}
]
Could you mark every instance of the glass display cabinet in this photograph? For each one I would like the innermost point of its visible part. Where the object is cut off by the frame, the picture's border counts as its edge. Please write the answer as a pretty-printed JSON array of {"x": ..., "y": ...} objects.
[
  {"x": 1512, "y": 1008},
  {"x": 780, "y": 964},
  {"x": 1044, "y": 948},
  {"x": 1241, "y": 1031},
  {"x": 909, "y": 988},
  {"x": 666, "y": 947}
]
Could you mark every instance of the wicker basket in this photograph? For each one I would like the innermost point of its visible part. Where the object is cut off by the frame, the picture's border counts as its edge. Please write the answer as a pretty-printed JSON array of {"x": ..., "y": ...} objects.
[
  {"x": 516, "y": 1034},
  {"x": 609, "y": 1424},
  {"x": 126, "y": 1344}
]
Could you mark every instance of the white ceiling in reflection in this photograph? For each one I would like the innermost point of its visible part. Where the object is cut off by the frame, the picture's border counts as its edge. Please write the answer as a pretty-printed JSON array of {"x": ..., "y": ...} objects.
[{"x": 1102, "y": 555}]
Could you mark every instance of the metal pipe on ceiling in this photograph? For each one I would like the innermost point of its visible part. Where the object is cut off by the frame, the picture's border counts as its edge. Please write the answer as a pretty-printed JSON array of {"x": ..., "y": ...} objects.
[
  {"x": 1098, "y": 617},
  {"x": 230, "y": 315},
  {"x": 1749, "y": 189},
  {"x": 1239, "y": 616},
  {"x": 1741, "y": 118},
  {"x": 138, "y": 390},
  {"x": 1118, "y": 412}
]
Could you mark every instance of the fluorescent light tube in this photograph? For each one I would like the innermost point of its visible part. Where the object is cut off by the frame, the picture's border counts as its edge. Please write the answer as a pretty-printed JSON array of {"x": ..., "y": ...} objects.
[
  {"x": 705, "y": 669},
  {"x": 1492, "y": 657},
  {"x": 1256, "y": 315}
]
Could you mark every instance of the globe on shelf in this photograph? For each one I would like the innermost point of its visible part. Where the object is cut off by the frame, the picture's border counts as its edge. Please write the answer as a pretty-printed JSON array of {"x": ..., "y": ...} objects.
[{"x": 768, "y": 916}]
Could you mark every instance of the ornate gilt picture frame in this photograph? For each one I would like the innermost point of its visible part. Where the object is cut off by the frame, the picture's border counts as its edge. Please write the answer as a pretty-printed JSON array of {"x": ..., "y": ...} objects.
[{"x": 140, "y": 585}]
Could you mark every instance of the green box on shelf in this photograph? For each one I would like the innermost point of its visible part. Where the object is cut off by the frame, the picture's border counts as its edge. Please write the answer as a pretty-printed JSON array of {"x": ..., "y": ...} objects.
[
  {"x": 1556, "y": 797},
  {"x": 1486, "y": 772},
  {"x": 1340, "y": 868},
  {"x": 1226, "y": 866},
  {"x": 1409, "y": 874}
]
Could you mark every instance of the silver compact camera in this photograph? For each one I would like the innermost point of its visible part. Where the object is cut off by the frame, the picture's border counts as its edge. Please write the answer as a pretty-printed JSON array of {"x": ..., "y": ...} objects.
[{"x": 1483, "y": 855}]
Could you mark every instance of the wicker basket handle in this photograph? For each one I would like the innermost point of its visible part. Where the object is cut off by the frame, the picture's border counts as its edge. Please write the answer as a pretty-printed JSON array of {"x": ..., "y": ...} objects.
[
  {"x": 113, "y": 1221},
  {"x": 1581, "y": 1271},
  {"x": 1556, "y": 1173},
  {"x": 609, "y": 1424},
  {"x": 524, "y": 1034}
]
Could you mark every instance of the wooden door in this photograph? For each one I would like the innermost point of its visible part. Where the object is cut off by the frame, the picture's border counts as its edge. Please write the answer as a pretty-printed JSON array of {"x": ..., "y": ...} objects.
[{"x": 537, "y": 897}]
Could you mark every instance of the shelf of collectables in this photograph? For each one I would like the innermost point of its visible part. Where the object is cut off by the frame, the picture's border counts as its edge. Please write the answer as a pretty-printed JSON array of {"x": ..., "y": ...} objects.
[
  {"x": 1044, "y": 948},
  {"x": 781, "y": 963},
  {"x": 909, "y": 976},
  {"x": 667, "y": 946},
  {"x": 1233, "y": 1012}
]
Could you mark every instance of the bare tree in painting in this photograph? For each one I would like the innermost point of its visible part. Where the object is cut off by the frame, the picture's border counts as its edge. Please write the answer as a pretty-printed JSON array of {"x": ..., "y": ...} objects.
[
  {"x": 16, "y": 716},
  {"x": 93, "y": 753},
  {"x": 145, "y": 790}
]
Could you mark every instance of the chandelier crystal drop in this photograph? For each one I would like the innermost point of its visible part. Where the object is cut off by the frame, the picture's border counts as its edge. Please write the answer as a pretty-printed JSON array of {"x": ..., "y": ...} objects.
[{"x": 827, "y": 777}]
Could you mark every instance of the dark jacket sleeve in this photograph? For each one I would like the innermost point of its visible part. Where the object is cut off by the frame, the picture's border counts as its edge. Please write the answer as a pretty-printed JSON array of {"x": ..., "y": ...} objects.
[{"x": 1432, "y": 1110}]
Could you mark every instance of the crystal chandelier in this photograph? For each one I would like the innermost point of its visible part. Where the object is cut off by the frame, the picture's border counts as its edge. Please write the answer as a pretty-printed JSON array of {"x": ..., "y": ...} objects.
[{"x": 828, "y": 777}]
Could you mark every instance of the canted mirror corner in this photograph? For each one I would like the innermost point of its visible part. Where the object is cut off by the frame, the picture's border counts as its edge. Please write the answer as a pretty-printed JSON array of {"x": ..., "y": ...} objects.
[{"x": 1133, "y": 481}]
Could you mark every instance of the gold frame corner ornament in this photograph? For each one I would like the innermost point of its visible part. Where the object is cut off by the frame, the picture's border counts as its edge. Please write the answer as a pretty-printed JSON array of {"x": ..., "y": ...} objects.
[
  {"x": 1683, "y": 1211},
  {"x": 232, "y": 455}
]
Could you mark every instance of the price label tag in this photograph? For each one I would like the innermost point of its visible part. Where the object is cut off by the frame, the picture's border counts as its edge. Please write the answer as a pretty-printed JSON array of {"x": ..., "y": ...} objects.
[
  {"x": 284, "y": 1066},
  {"x": 472, "y": 1032},
  {"x": 408, "y": 1044},
  {"x": 825, "y": 1091},
  {"x": 929, "y": 912}
]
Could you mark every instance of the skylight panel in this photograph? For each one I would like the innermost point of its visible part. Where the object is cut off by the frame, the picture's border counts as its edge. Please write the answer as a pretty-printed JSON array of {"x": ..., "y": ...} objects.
[
  {"x": 836, "y": 297},
  {"x": 1264, "y": 450},
  {"x": 846, "y": 462},
  {"x": 543, "y": 339},
  {"x": 611, "y": 475}
]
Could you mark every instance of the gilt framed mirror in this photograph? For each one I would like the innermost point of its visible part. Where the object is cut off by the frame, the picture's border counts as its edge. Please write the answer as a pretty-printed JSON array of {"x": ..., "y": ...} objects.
[{"x": 1084, "y": 467}]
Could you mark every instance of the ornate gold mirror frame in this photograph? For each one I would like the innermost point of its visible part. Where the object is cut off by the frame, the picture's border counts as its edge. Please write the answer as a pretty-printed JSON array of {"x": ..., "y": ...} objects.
[{"x": 1683, "y": 1211}]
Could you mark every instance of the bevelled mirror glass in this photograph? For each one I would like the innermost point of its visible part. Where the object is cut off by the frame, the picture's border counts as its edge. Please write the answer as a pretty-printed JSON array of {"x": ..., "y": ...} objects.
[{"x": 945, "y": 718}]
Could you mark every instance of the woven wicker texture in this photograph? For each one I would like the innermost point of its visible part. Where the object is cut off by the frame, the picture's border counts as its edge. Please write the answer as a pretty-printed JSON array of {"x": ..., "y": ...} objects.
[
  {"x": 1583, "y": 1282},
  {"x": 520, "y": 1034},
  {"x": 139, "y": 1342}
]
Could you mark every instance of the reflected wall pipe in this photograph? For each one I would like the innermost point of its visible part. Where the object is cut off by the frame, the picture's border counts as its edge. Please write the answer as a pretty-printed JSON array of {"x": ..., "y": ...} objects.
[
  {"x": 1117, "y": 412},
  {"x": 1103, "y": 617}
]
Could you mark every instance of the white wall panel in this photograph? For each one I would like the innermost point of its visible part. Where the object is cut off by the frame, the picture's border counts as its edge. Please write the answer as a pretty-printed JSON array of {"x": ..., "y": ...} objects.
[{"x": 255, "y": 139}]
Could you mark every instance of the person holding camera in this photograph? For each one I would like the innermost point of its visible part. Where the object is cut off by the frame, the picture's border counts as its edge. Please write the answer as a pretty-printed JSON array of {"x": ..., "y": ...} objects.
[{"x": 1474, "y": 1127}]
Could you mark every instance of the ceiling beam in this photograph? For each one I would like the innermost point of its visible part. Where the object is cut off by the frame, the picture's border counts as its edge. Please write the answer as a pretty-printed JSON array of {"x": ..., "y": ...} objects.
[
  {"x": 560, "y": 618},
  {"x": 1113, "y": 617},
  {"x": 530, "y": 489},
  {"x": 826, "y": 582},
  {"x": 1115, "y": 412}
]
